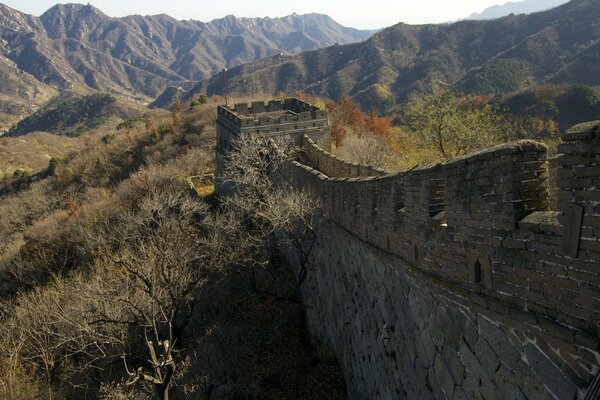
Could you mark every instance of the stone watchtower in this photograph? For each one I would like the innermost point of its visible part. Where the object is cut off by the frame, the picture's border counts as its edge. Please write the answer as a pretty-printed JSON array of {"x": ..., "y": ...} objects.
[{"x": 289, "y": 119}]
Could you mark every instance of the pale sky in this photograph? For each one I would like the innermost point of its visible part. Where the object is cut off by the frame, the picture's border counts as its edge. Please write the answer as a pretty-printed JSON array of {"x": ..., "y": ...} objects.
[{"x": 363, "y": 14}]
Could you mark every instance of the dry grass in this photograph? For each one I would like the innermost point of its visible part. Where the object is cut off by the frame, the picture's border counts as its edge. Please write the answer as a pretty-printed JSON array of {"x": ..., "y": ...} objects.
[
  {"x": 33, "y": 152},
  {"x": 244, "y": 342}
]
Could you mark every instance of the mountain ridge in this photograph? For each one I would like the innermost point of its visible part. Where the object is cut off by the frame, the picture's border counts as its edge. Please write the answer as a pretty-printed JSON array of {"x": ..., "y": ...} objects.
[
  {"x": 77, "y": 49},
  {"x": 545, "y": 47},
  {"x": 515, "y": 7}
]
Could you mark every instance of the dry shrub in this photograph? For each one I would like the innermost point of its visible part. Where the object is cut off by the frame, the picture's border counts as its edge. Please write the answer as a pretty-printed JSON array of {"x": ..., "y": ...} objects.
[
  {"x": 39, "y": 332},
  {"x": 366, "y": 150},
  {"x": 17, "y": 382},
  {"x": 110, "y": 221},
  {"x": 22, "y": 209},
  {"x": 147, "y": 265},
  {"x": 122, "y": 391}
]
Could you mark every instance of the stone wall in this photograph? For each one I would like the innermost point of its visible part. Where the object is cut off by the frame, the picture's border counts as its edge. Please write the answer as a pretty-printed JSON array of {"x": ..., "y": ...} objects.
[
  {"x": 401, "y": 334},
  {"x": 289, "y": 120},
  {"x": 459, "y": 280},
  {"x": 274, "y": 117},
  {"x": 553, "y": 166},
  {"x": 333, "y": 166}
]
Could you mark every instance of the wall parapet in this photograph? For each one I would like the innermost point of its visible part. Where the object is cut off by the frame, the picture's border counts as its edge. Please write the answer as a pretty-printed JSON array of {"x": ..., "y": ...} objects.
[
  {"x": 479, "y": 228},
  {"x": 449, "y": 219},
  {"x": 334, "y": 166},
  {"x": 275, "y": 116},
  {"x": 500, "y": 248}
]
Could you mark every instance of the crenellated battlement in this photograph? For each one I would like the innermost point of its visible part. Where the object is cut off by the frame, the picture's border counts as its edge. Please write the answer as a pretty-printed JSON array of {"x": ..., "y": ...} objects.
[
  {"x": 499, "y": 250},
  {"x": 484, "y": 227},
  {"x": 481, "y": 209},
  {"x": 275, "y": 116}
]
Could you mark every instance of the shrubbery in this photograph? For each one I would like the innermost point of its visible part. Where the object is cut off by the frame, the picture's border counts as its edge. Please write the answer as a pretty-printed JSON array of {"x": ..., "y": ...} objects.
[
  {"x": 201, "y": 99},
  {"x": 102, "y": 266}
]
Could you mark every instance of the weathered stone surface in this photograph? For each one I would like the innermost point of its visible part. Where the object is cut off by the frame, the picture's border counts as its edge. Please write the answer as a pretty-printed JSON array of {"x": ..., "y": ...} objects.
[
  {"x": 549, "y": 373},
  {"x": 449, "y": 281},
  {"x": 507, "y": 385}
]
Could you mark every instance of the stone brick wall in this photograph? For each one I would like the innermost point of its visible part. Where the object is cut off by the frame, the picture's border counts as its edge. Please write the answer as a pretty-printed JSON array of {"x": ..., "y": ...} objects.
[
  {"x": 401, "y": 334},
  {"x": 459, "y": 280},
  {"x": 289, "y": 120},
  {"x": 333, "y": 166},
  {"x": 553, "y": 166},
  {"x": 475, "y": 279}
]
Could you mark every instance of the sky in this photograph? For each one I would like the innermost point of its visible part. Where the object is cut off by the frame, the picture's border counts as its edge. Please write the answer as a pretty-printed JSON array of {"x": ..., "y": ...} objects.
[{"x": 362, "y": 14}]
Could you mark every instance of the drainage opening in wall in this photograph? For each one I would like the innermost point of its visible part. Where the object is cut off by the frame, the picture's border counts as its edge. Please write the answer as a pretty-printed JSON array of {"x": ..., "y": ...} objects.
[
  {"x": 416, "y": 252},
  {"x": 477, "y": 272},
  {"x": 480, "y": 270}
]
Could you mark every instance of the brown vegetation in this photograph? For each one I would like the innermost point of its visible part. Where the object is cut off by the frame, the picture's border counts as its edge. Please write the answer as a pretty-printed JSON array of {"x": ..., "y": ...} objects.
[{"x": 116, "y": 283}]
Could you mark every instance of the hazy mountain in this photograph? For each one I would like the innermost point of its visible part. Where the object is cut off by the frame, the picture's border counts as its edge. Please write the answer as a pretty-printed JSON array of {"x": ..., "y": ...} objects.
[
  {"x": 559, "y": 45},
  {"x": 516, "y": 7},
  {"x": 76, "y": 48}
]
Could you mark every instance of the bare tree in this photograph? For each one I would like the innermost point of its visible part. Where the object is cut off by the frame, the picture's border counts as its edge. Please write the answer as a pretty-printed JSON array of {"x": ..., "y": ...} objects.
[
  {"x": 133, "y": 305},
  {"x": 149, "y": 283},
  {"x": 272, "y": 208}
]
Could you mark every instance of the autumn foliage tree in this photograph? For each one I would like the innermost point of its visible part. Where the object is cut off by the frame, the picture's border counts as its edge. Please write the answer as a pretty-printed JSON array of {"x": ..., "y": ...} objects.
[
  {"x": 343, "y": 114},
  {"x": 362, "y": 138},
  {"x": 453, "y": 125}
]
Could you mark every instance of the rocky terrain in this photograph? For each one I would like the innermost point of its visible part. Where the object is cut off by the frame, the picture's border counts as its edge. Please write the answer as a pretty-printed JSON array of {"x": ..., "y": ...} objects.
[
  {"x": 561, "y": 45},
  {"x": 76, "y": 49}
]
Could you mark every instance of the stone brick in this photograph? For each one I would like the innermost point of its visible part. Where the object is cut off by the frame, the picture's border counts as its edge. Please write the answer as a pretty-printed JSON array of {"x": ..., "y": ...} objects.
[
  {"x": 495, "y": 203},
  {"x": 549, "y": 373},
  {"x": 487, "y": 356},
  {"x": 444, "y": 377},
  {"x": 494, "y": 335},
  {"x": 507, "y": 387}
]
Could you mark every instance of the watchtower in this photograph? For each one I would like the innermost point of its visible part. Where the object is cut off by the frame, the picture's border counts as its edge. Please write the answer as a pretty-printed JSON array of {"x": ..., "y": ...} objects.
[{"x": 289, "y": 119}]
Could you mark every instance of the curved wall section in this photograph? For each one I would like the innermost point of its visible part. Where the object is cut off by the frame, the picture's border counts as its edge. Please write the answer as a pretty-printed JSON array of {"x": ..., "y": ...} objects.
[{"x": 462, "y": 280}]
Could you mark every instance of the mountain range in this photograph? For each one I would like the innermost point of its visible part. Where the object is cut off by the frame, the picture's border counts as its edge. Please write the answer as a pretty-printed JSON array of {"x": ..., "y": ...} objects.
[
  {"x": 76, "y": 49},
  {"x": 561, "y": 45},
  {"x": 516, "y": 7}
]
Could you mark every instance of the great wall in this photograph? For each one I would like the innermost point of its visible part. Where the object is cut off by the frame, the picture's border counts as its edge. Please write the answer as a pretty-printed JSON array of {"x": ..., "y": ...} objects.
[{"x": 478, "y": 279}]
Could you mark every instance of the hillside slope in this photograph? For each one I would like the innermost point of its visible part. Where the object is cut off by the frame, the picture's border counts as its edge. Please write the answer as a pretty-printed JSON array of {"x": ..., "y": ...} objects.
[
  {"x": 77, "y": 49},
  {"x": 31, "y": 153},
  {"x": 74, "y": 116},
  {"x": 556, "y": 46},
  {"x": 244, "y": 335}
]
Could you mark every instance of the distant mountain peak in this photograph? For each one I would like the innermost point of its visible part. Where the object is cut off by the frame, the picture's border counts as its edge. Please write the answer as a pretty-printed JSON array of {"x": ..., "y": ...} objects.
[
  {"x": 74, "y": 7},
  {"x": 71, "y": 14},
  {"x": 76, "y": 47},
  {"x": 516, "y": 7},
  {"x": 489, "y": 57}
]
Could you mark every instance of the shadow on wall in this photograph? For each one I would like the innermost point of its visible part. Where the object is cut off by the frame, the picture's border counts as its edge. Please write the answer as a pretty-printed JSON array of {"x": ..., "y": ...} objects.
[{"x": 478, "y": 234}]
